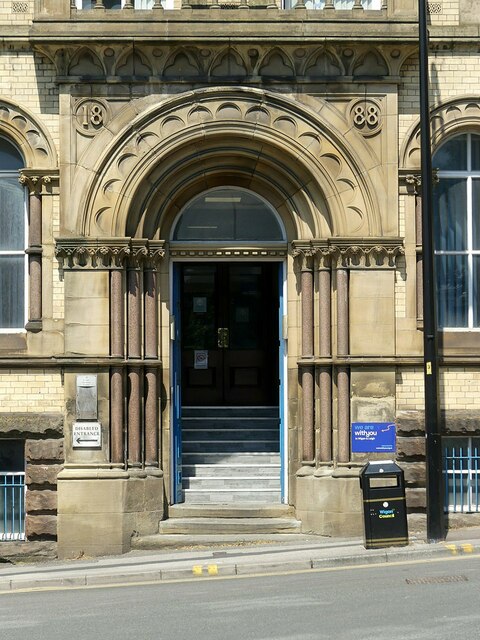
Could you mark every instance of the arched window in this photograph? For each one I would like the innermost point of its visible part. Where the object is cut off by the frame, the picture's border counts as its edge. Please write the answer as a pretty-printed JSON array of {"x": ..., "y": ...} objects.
[
  {"x": 228, "y": 214},
  {"x": 457, "y": 232},
  {"x": 12, "y": 239}
]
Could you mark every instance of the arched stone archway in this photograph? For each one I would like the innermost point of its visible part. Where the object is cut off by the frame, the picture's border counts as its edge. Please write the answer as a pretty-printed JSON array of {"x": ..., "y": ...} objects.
[
  {"x": 450, "y": 118},
  {"x": 31, "y": 138},
  {"x": 318, "y": 168}
]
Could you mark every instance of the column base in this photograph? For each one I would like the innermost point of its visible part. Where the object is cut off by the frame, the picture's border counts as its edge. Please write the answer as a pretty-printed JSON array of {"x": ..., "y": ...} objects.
[{"x": 100, "y": 510}]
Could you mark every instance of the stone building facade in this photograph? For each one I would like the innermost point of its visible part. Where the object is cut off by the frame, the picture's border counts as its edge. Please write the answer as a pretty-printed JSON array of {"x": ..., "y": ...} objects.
[{"x": 191, "y": 168}]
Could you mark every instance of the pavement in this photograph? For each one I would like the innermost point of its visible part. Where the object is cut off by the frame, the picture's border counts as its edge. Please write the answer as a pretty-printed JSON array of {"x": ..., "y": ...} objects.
[{"x": 236, "y": 557}]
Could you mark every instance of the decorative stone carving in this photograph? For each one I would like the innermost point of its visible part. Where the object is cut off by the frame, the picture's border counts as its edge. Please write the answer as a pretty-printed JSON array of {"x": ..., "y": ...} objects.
[
  {"x": 350, "y": 253},
  {"x": 134, "y": 65},
  {"x": 107, "y": 253},
  {"x": 86, "y": 63},
  {"x": 366, "y": 116},
  {"x": 371, "y": 64},
  {"x": 229, "y": 64},
  {"x": 277, "y": 65},
  {"x": 83, "y": 253},
  {"x": 91, "y": 115},
  {"x": 180, "y": 62},
  {"x": 182, "y": 65},
  {"x": 324, "y": 64},
  {"x": 36, "y": 180}
]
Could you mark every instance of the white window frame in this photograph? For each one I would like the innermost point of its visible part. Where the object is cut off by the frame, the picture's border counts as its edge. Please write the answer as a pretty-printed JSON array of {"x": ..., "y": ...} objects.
[
  {"x": 19, "y": 252},
  {"x": 468, "y": 175}
]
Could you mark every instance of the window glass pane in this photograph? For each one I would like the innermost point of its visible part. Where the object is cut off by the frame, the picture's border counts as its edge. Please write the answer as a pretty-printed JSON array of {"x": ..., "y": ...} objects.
[
  {"x": 12, "y": 456},
  {"x": 452, "y": 291},
  {"x": 476, "y": 213},
  {"x": 450, "y": 210},
  {"x": 476, "y": 291},
  {"x": 11, "y": 215},
  {"x": 10, "y": 159},
  {"x": 12, "y": 292},
  {"x": 112, "y": 4},
  {"x": 199, "y": 308},
  {"x": 475, "y": 153},
  {"x": 452, "y": 156},
  {"x": 228, "y": 214}
]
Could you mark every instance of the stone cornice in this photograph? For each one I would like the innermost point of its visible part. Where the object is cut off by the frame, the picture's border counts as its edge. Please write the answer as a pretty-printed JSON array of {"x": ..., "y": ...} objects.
[
  {"x": 107, "y": 253},
  {"x": 349, "y": 253}
]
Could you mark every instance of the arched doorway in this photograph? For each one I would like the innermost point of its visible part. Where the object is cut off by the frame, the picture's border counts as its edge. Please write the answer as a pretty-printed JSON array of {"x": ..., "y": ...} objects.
[{"x": 228, "y": 351}]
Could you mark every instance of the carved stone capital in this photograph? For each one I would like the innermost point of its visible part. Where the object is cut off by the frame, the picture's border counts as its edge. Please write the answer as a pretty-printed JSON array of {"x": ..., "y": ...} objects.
[
  {"x": 348, "y": 253},
  {"x": 138, "y": 253},
  {"x": 86, "y": 253},
  {"x": 108, "y": 253},
  {"x": 36, "y": 180},
  {"x": 366, "y": 253},
  {"x": 156, "y": 252},
  {"x": 304, "y": 253}
]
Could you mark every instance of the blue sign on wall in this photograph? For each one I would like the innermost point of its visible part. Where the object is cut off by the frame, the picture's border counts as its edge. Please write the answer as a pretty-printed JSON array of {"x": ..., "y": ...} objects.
[{"x": 371, "y": 437}]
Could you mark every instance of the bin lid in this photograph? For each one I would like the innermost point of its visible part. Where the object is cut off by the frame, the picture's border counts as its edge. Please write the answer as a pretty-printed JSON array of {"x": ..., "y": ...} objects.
[{"x": 381, "y": 468}]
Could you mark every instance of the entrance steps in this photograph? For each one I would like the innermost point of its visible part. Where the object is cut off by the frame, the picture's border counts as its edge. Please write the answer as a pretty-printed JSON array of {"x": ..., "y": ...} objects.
[
  {"x": 230, "y": 455},
  {"x": 218, "y": 520}
]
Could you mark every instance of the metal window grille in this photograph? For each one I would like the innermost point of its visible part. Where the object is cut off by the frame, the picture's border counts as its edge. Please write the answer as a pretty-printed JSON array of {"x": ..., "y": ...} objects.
[
  {"x": 12, "y": 506},
  {"x": 461, "y": 462}
]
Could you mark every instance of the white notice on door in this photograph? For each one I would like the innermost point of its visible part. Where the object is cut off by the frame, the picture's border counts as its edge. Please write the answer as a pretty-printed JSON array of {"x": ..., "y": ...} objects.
[{"x": 200, "y": 359}]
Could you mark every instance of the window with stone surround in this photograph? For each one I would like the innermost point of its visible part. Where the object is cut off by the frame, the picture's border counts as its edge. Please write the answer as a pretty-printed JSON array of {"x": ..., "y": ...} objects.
[
  {"x": 12, "y": 240},
  {"x": 457, "y": 232}
]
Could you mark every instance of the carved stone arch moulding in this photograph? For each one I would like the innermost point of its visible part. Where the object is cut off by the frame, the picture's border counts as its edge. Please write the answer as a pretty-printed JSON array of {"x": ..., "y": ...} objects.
[
  {"x": 448, "y": 119},
  {"x": 29, "y": 135},
  {"x": 321, "y": 149}
]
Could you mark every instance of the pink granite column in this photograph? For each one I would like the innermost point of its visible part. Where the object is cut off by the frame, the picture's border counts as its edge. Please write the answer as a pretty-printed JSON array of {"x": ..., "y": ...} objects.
[
  {"x": 343, "y": 384},
  {"x": 151, "y": 373},
  {"x": 35, "y": 261},
  {"x": 116, "y": 373},
  {"x": 325, "y": 372},
  {"x": 307, "y": 372},
  {"x": 134, "y": 350}
]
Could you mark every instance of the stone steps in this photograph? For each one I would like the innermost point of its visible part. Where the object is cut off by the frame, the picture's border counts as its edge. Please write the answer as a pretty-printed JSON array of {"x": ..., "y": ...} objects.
[
  {"x": 222, "y": 483},
  {"x": 218, "y": 526},
  {"x": 226, "y": 470},
  {"x": 231, "y": 496},
  {"x": 224, "y": 450},
  {"x": 245, "y": 510}
]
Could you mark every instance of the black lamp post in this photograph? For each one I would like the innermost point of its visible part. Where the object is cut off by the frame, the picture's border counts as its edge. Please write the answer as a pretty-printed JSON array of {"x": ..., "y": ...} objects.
[{"x": 433, "y": 443}]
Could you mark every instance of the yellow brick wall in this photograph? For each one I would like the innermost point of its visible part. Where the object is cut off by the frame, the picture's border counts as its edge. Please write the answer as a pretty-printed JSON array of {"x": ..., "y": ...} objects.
[
  {"x": 28, "y": 80},
  {"x": 16, "y": 12},
  {"x": 30, "y": 391},
  {"x": 444, "y": 12},
  {"x": 452, "y": 75},
  {"x": 459, "y": 388}
]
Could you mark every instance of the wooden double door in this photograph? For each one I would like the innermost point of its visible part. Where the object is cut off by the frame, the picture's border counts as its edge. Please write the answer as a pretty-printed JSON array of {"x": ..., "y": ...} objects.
[{"x": 229, "y": 333}]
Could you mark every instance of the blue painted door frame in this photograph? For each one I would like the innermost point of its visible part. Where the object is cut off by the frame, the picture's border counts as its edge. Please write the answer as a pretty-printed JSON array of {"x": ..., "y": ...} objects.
[{"x": 176, "y": 466}]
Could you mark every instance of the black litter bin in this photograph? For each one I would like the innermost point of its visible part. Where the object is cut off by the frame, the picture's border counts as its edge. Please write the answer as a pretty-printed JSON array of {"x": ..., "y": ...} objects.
[{"x": 384, "y": 505}]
